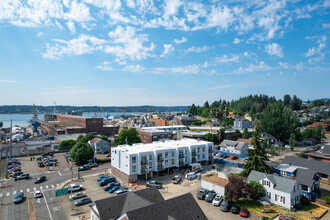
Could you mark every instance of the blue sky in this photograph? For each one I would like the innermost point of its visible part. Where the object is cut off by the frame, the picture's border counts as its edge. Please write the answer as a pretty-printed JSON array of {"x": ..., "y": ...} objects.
[{"x": 175, "y": 52}]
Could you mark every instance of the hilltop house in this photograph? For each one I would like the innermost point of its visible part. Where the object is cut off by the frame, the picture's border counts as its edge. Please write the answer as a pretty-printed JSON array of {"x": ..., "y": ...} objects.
[
  {"x": 308, "y": 179},
  {"x": 278, "y": 190}
]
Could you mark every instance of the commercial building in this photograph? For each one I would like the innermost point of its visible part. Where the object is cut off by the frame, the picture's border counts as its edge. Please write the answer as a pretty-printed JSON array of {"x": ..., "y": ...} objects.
[
  {"x": 149, "y": 136},
  {"x": 173, "y": 128},
  {"x": 130, "y": 163},
  {"x": 159, "y": 122},
  {"x": 71, "y": 124}
]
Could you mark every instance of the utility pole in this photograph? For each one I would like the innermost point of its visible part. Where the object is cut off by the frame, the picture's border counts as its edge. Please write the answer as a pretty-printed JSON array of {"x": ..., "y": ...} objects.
[{"x": 11, "y": 141}]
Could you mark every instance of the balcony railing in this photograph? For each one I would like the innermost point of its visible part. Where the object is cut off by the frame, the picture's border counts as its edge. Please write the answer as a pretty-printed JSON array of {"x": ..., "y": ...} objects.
[
  {"x": 193, "y": 154},
  {"x": 160, "y": 159},
  {"x": 143, "y": 162},
  {"x": 160, "y": 167},
  {"x": 181, "y": 155}
]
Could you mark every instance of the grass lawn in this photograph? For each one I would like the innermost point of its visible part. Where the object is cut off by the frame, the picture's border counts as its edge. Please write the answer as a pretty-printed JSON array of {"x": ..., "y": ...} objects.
[
  {"x": 255, "y": 207},
  {"x": 316, "y": 210}
]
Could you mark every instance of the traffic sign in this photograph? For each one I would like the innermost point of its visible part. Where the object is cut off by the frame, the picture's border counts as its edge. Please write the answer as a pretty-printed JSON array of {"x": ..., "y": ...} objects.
[{"x": 61, "y": 192}]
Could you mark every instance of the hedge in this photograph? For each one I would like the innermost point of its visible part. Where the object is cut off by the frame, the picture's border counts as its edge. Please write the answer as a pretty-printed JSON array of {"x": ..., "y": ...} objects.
[
  {"x": 103, "y": 160},
  {"x": 327, "y": 199}
]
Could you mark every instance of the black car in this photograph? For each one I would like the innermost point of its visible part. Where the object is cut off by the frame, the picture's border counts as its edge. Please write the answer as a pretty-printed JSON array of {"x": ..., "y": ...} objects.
[
  {"x": 209, "y": 197},
  {"x": 23, "y": 176},
  {"x": 19, "y": 198},
  {"x": 40, "y": 179},
  {"x": 235, "y": 209},
  {"x": 110, "y": 186},
  {"x": 225, "y": 205},
  {"x": 202, "y": 193}
]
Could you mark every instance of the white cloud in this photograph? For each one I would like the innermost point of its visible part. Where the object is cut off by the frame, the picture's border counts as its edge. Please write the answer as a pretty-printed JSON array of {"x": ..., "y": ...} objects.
[
  {"x": 326, "y": 26},
  {"x": 40, "y": 34},
  {"x": 183, "y": 39},
  {"x": 316, "y": 54},
  {"x": 120, "y": 62},
  {"x": 168, "y": 49},
  {"x": 221, "y": 17},
  {"x": 171, "y": 7},
  {"x": 274, "y": 49},
  {"x": 134, "y": 68},
  {"x": 261, "y": 66},
  {"x": 8, "y": 81},
  {"x": 246, "y": 54},
  {"x": 71, "y": 26},
  {"x": 198, "y": 49},
  {"x": 227, "y": 59},
  {"x": 105, "y": 66},
  {"x": 236, "y": 41},
  {"x": 286, "y": 65}
]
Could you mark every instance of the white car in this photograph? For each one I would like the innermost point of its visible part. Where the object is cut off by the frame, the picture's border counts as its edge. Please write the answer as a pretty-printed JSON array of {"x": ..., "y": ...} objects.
[
  {"x": 37, "y": 194},
  {"x": 74, "y": 187},
  {"x": 191, "y": 176},
  {"x": 217, "y": 200}
]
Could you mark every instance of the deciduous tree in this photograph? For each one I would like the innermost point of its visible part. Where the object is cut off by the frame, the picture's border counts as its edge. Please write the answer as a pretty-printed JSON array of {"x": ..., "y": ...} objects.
[
  {"x": 128, "y": 136},
  {"x": 81, "y": 153}
]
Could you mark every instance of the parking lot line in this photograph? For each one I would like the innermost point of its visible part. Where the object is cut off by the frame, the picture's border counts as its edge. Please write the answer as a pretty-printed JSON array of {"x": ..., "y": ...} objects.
[
  {"x": 21, "y": 190},
  {"x": 34, "y": 189},
  {"x": 14, "y": 193},
  {"x": 46, "y": 186},
  {"x": 59, "y": 173},
  {"x": 1, "y": 195},
  {"x": 27, "y": 190},
  {"x": 7, "y": 194},
  {"x": 50, "y": 215},
  {"x": 52, "y": 186},
  {"x": 41, "y": 188}
]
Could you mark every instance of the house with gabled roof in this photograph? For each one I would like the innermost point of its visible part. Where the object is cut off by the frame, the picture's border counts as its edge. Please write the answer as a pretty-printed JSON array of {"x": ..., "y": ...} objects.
[
  {"x": 234, "y": 147},
  {"x": 99, "y": 145},
  {"x": 146, "y": 204},
  {"x": 278, "y": 190}
]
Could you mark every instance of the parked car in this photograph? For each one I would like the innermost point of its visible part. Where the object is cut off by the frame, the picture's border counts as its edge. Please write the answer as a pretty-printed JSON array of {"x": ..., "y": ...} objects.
[
  {"x": 82, "y": 201},
  {"x": 224, "y": 156},
  {"x": 19, "y": 198},
  {"x": 191, "y": 176},
  {"x": 83, "y": 168},
  {"x": 225, "y": 205},
  {"x": 52, "y": 163},
  {"x": 217, "y": 200},
  {"x": 15, "y": 174},
  {"x": 92, "y": 165},
  {"x": 14, "y": 170},
  {"x": 101, "y": 178},
  {"x": 244, "y": 212},
  {"x": 121, "y": 191},
  {"x": 209, "y": 197},
  {"x": 235, "y": 209},
  {"x": 78, "y": 195},
  {"x": 40, "y": 179},
  {"x": 113, "y": 189},
  {"x": 176, "y": 179},
  {"x": 37, "y": 194},
  {"x": 23, "y": 176},
  {"x": 202, "y": 193},
  {"x": 154, "y": 183},
  {"x": 41, "y": 164},
  {"x": 107, "y": 180},
  {"x": 110, "y": 186},
  {"x": 233, "y": 157},
  {"x": 74, "y": 187}
]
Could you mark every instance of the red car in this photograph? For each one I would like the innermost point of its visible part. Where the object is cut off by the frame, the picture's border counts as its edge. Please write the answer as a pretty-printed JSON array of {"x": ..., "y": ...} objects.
[
  {"x": 15, "y": 170},
  {"x": 233, "y": 157},
  {"x": 244, "y": 212}
]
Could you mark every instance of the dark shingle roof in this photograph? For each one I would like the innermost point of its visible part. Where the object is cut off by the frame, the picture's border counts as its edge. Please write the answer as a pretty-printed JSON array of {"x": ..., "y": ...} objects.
[
  {"x": 114, "y": 207},
  {"x": 305, "y": 176},
  {"x": 182, "y": 207},
  {"x": 281, "y": 184},
  {"x": 318, "y": 166}
]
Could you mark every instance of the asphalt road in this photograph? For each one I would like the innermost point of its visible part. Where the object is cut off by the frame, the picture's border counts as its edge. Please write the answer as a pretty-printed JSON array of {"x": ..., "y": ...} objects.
[{"x": 47, "y": 207}]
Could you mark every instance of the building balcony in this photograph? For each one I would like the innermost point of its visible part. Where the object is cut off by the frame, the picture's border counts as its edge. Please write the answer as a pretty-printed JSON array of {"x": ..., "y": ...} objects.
[
  {"x": 160, "y": 167},
  {"x": 181, "y": 155},
  {"x": 160, "y": 159},
  {"x": 181, "y": 164},
  {"x": 144, "y": 162},
  {"x": 193, "y": 154},
  {"x": 210, "y": 150}
]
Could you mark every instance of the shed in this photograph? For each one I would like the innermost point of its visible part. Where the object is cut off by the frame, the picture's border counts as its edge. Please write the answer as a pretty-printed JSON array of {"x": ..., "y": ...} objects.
[{"x": 215, "y": 183}]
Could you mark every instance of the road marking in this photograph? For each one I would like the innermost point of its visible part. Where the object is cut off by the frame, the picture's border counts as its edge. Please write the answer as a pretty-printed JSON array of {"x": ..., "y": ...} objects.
[
  {"x": 56, "y": 209},
  {"x": 27, "y": 190},
  {"x": 59, "y": 173},
  {"x": 21, "y": 190},
  {"x": 47, "y": 187},
  {"x": 14, "y": 192},
  {"x": 52, "y": 186},
  {"x": 57, "y": 184},
  {"x": 34, "y": 189},
  {"x": 1, "y": 195},
  {"x": 50, "y": 214},
  {"x": 7, "y": 194},
  {"x": 41, "y": 188},
  {"x": 38, "y": 201}
]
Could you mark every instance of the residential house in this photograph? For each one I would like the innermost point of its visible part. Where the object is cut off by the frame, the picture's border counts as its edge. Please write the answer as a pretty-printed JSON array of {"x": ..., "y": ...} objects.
[
  {"x": 99, "y": 145},
  {"x": 234, "y": 147},
  {"x": 146, "y": 204},
  {"x": 278, "y": 190},
  {"x": 215, "y": 183},
  {"x": 241, "y": 123},
  {"x": 308, "y": 179},
  {"x": 131, "y": 163}
]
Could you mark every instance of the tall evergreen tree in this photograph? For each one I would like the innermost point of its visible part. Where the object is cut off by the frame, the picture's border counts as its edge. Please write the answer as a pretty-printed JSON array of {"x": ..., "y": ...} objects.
[
  {"x": 292, "y": 142},
  {"x": 245, "y": 134},
  {"x": 286, "y": 100},
  {"x": 257, "y": 156},
  {"x": 206, "y": 104}
]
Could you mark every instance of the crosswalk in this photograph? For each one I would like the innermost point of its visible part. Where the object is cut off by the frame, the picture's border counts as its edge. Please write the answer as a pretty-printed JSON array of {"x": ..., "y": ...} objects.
[{"x": 14, "y": 192}]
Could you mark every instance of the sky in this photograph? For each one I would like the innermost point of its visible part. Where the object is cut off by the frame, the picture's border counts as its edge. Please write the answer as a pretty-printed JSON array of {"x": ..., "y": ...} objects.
[{"x": 165, "y": 53}]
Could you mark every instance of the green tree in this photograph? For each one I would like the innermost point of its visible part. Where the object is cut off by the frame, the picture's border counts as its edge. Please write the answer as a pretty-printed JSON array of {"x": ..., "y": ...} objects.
[
  {"x": 90, "y": 136},
  {"x": 272, "y": 150},
  {"x": 103, "y": 137},
  {"x": 128, "y": 136},
  {"x": 292, "y": 142},
  {"x": 279, "y": 121},
  {"x": 246, "y": 134},
  {"x": 81, "y": 153},
  {"x": 295, "y": 103},
  {"x": 211, "y": 137},
  {"x": 286, "y": 100},
  {"x": 206, "y": 104},
  {"x": 221, "y": 135},
  {"x": 257, "y": 156},
  {"x": 258, "y": 187},
  {"x": 82, "y": 138},
  {"x": 66, "y": 145}
]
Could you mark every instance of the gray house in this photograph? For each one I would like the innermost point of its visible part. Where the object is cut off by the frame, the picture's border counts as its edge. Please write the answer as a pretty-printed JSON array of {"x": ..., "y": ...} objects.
[
  {"x": 99, "y": 145},
  {"x": 278, "y": 190},
  {"x": 241, "y": 123},
  {"x": 234, "y": 147}
]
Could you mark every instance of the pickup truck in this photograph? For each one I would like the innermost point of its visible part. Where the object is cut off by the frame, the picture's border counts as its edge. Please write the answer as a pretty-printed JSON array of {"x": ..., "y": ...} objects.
[{"x": 155, "y": 183}]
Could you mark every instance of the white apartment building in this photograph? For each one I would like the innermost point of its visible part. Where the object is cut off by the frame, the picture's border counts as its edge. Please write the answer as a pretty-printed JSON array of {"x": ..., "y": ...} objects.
[
  {"x": 171, "y": 128},
  {"x": 129, "y": 162}
]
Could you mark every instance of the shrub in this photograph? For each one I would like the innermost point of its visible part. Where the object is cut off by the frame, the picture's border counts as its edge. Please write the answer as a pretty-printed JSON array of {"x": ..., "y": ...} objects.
[
  {"x": 304, "y": 200},
  {"x": 103, "y": 160},
  {"x": 317, "y": 191},
  {"x": 327, "y": 199}
]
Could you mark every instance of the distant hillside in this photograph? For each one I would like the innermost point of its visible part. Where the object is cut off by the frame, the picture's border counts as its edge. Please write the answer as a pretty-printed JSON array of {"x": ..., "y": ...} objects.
[{"x": 28, "y": 109}]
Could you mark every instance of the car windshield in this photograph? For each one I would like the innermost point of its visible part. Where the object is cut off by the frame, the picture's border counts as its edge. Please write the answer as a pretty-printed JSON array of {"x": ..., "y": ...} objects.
[
  {"x": 216, "y": 198},
  {"x": 243, "y": 210},
  {"x": 224, "y": 203}
]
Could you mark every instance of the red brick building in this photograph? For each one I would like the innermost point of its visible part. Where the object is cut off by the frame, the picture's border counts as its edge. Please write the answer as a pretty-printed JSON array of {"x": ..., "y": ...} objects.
[
  {"x": 159, "y": 122},
  {"x": 149, "y": 136}
]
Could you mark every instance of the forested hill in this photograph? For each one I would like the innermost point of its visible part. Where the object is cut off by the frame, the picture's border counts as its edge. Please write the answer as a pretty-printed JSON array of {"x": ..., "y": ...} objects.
[{"x": 28, "y": 109}]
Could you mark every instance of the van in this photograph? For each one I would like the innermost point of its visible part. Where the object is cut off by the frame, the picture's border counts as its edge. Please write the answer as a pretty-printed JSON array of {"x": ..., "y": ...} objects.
[
  {"x": 191, "y": 176},
  {"x": 195, "y": 167},
  {"x": 107, "y": 180}
]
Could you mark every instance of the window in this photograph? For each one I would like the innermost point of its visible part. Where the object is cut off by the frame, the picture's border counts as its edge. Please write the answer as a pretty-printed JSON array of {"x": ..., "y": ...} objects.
[
  {"x": 166, "y": 154},
  {"x": 198, "y": 150},
  {"x": 154, "y": 137},
  {"x": 173, "y": 153},
  {"x": 150, "y": 156},
  {"x": 150, "y": 165},
  {"x": 166, "y": 162},
  {"x": 275, "y": 197},
  {"x": 133, "y": 159},
  {"x": 133, "y": 168},
  {"x": 282, "y": 199},
  {"x": 203, "y": 149},
  {"x": 282, "y": 173},
  {"x": 172, "y": 161}
]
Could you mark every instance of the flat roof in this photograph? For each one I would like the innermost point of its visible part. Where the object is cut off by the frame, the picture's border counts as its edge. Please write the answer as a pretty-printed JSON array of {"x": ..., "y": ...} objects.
[
  {"x": 288, "y": 167},
  {"x": 64, "y": 137},
  {"x": 163, "y": 127},
  {"x": 78, "y": 116},
  {"x": 155, "y": 131},
  {"x": 160, "y": 145}
]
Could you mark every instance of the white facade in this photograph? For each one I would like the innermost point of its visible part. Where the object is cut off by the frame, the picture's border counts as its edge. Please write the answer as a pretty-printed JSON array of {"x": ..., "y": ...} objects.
[
  {"x": 171, "y": 128},
  {"x": 213, "y": 187},
  {"x": 157, "y": 156},
  {"x": 234, "y": 147},
  {"x": 99, "y": 146}
]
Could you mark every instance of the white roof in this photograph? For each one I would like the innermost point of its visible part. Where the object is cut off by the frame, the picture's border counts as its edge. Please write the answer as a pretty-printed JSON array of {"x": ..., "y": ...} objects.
[
  {"x": 164, "y": 127},
  {"x": 160, "y": 145},
  {"x": 288, "y": 168}
]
